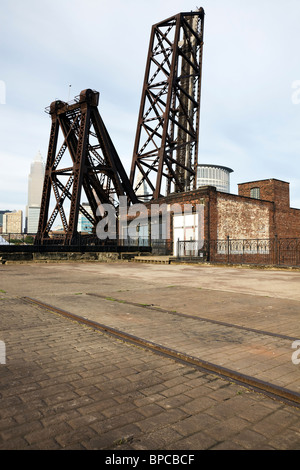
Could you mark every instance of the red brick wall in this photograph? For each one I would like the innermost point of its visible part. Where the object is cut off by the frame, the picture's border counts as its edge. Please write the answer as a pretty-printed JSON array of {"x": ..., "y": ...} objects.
[
  {"x": 270, "y": 190},
  {"x": 288, "y": 223},
  {"x": 228, "y": 214},
  {"x": 240, "y": 217},
  {"x": 286, "y": 220}
]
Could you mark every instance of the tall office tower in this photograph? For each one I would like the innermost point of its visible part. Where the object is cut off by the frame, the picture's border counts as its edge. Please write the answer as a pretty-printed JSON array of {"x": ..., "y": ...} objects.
[
  {"x": 35, "y": 188},
  {"x": 142, "y": 188}
]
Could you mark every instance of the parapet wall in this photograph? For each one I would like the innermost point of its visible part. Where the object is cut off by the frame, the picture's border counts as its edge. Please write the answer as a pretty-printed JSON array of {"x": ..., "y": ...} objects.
[{"x": 7, "y": 258}]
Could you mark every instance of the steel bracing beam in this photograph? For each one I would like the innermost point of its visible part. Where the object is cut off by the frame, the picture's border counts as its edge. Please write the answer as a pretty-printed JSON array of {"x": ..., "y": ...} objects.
[
  {"x": 93, "y": 167},
  {"x": 166, "y": 146}
]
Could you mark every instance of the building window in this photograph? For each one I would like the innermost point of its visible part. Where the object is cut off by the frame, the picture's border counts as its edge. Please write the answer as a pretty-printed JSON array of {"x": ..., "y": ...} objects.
[{"x": 254, "y": 192}]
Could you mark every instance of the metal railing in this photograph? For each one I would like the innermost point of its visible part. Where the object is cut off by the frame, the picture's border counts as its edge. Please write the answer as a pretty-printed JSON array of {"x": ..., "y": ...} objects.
[
  {"x": 27, "y": 243},
  {"x": 191, "y": 249},
  {"x": 17, "y": 239},
  {"x": 272, "y": 251}
]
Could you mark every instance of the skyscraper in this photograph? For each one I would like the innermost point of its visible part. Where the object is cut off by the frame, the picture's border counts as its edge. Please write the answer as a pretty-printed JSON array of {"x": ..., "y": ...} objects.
[{"x": 35, "y": 188}]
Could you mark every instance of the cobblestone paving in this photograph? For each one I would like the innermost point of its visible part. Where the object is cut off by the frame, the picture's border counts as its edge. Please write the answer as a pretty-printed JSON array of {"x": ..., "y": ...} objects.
[
  {"x": 65, "y": 386},
  {"x": 259, "y": 355}
]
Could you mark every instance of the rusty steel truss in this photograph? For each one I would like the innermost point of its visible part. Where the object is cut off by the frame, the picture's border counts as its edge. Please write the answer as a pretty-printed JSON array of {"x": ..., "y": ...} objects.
[
  {"x": 82, "y": 160},
  {"x": 166, "y": 146},
  {"x": 85, "y": 160}
]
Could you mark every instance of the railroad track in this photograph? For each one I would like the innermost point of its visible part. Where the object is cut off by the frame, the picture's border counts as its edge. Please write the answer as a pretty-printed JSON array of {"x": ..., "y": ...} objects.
[
  {"x": 196, "y": 317},
  {"x": 274, "y": 391}
]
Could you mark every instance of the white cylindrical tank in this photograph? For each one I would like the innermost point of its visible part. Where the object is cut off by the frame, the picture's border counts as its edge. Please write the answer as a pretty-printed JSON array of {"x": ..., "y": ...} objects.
[{"x": 214, "y": 175}]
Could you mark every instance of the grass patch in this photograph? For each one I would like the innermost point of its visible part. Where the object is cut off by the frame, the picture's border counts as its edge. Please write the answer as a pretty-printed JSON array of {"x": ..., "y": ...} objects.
[
  {"x": 2, "y": 291},
  {"x": 115, "y": 300},
  {"x": 123, "y": 440}
]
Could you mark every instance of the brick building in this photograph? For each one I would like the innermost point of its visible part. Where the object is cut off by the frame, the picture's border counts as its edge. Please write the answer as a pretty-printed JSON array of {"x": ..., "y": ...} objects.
[
  {"x": 284, "y": 221},
  {"x": 260, "y": 211}
]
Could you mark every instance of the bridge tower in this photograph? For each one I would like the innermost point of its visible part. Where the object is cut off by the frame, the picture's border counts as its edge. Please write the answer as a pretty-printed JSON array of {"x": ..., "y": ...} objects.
[
  {"x": 166, "y": 146},
  {"x": 85, "y": 161}
]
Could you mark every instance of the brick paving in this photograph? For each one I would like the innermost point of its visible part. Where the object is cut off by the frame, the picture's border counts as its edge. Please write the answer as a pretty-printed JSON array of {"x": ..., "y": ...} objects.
[
  {"x": 66, "y": 386},
  {"x": 264, "y": 357}
]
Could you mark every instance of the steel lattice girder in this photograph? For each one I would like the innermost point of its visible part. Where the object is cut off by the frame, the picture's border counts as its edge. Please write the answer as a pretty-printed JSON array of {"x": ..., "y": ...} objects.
[
  {"x": 94, "y": 166},
  {"x": 166, "y": 146}
]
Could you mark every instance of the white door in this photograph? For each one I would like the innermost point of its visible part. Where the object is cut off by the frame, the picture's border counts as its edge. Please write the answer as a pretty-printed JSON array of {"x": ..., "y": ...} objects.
[{"x": 185, "y": 229}]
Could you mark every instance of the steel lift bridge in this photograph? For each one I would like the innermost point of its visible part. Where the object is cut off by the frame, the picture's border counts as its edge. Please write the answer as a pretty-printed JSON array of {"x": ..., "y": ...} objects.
[{"x": 83, "y": 160}]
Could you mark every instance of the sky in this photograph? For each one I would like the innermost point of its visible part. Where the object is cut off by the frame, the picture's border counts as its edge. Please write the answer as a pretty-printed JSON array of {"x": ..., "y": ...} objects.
[{"x": 250, "y": 98}]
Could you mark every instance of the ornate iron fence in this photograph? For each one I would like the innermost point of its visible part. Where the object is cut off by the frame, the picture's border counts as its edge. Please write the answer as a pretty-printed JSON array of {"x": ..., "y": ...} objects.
[
  {"x": 190, "y": 249},
  {"x": 288, "y": 251},
  {"x": 272, "y": 251}
]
